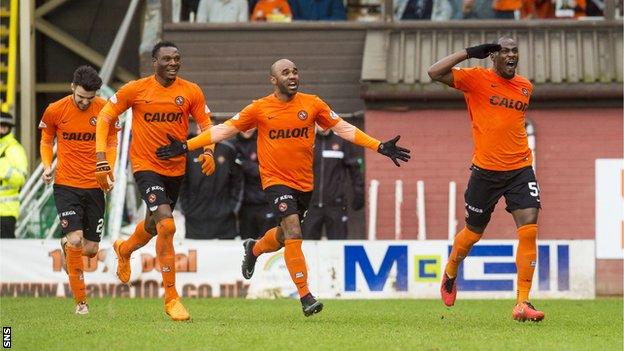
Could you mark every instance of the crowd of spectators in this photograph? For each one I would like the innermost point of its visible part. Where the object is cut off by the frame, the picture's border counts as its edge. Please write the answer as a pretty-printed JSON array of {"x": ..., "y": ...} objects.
[{"x": 229, "y": 11}]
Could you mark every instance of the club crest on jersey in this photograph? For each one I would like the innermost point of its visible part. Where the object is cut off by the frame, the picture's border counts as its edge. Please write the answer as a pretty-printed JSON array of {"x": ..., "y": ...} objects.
[
  {"x": 220, "y": 159},
  {"x": 302, "y": 115},
  {"x": 151, "y": 198},
  {"x": 525, "y": 92},
  {"x": 179, "y": 100},
  {"x": 282, "y": 206},
  {"x": 64, "y": 223},
  {"x": 335, "y": 147},
  {"x": 93, "y": 121}
]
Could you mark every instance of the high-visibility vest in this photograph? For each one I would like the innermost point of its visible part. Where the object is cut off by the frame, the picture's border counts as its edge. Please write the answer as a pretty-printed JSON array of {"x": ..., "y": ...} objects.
[{"x": 13, "y": 174}]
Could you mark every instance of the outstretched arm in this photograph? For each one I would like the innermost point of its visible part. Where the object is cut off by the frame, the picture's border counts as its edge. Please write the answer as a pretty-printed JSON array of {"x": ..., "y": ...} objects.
[
  {"x": 211, "y": 136},
  {"x": 353, "y": 134},
  {"x": 441, "y": 70}
]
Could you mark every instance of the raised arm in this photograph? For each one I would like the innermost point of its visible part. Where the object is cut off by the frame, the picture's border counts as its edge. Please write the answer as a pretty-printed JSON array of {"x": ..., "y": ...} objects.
[
  {"x": 353, "y": 134},
  {"x": 441, "y": 70},
  {"x": 211, "y": 136}
]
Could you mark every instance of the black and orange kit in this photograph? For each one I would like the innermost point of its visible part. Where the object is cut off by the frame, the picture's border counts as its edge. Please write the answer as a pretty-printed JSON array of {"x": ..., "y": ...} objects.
[{"x": 501, "y": 163}]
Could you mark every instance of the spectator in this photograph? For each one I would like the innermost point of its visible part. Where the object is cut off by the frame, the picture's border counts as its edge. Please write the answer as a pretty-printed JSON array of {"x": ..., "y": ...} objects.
[
  {"x": 13, "y": 173},
  {"x": 272, "y": 11},
  {"x": 210, "y": 203},
  {"x": 413, "y": 9},
  {"x": 505, "y": 9},
  {"x": 595, "y": 8},
  {"x": 538, "y": 9},
  {"x": 222, "y": 11},
  {"x": 479, "y": 9},
  {"x": 318, "y": 10},
  {"x": 255, "y": 215},
  {"x": 334, "y": 157}
]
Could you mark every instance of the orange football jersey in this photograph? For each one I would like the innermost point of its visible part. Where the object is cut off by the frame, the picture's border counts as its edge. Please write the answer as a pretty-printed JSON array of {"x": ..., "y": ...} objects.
[
  {"x": 286, "y": 132},
  {"x": 156, "y": 112},
  {"x": 497, "y": 108},
  {"x": 74, "y": 130}
]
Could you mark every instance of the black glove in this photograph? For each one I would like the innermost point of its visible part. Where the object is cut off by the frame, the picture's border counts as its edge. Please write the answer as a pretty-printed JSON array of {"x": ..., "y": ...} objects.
[
  {"x": 358, "y": 201},
  {"x": 390, "y": 149},
  {"x": 172, "y": 150},
  {"x": 482, "y": 51}
]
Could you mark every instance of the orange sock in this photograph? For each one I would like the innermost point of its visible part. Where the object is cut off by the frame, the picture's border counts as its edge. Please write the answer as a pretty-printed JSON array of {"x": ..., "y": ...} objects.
[
  {"x": 166, "y": 256},
  {"x": 525, "y": 260},
  {"x": 295, "y": 262},
  {"x": 75, "y": 270},
  {"x": 138, "y": 239},
  {"x": 268, "y": 243},
  {"x": 461, "y": 247}
]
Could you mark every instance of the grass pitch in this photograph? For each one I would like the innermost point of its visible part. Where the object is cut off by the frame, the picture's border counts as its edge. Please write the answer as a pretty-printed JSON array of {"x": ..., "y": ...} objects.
[{"x": 236, "y": 324}]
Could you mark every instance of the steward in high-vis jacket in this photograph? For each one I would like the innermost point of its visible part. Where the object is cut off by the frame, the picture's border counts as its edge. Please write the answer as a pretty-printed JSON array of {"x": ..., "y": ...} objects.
[
  {"x": 13, "y": 174},
  {"x": 334, "y": 157}
]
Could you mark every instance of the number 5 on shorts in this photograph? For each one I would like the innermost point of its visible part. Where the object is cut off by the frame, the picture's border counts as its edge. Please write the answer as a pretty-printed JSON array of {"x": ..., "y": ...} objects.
[{"x": 534, "y": 189}]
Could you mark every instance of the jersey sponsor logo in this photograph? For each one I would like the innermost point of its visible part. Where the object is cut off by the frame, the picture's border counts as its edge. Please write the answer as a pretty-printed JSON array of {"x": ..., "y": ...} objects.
[
  {"x": 93, "y": 121},
  {"x": 118, "y": 124},
  {"x": 236, "y": 117},
  {"x": 508, "y": 103},
  {"x": 179, "y": 100},
  {"x": 206, "y": 109},
  {"x": 79, "y": 136},
  {"x": 333, "y": 114},
  {"x": 163, "y": 117},
  {"x": 302, "y": 115},
  {"x": 282, "y": 206},
  {"x": 289, "y": 133},
  {"x": 113, "y": 98},
  {"x": 42, "y": 125}
]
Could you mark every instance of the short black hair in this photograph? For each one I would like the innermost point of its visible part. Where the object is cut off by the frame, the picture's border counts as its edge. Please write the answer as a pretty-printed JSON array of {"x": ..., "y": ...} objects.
[
  {"x": 88, "y": 78},
  {"x": 162, "y": 44}
]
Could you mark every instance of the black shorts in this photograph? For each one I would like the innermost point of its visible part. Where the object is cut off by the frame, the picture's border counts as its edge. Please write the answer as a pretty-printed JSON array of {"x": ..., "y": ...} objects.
[
  {"x": 286, "y": 201},
  {"x": 80, "y": 209},
  {"x": 485, "y": 188},
  {"x": 158, "y": 189}
]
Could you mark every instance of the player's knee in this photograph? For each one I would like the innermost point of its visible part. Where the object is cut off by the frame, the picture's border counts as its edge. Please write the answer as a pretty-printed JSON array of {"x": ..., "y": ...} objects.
[
  {"x": 525, "y": 216},
  {"x": 74, "y": 239}
]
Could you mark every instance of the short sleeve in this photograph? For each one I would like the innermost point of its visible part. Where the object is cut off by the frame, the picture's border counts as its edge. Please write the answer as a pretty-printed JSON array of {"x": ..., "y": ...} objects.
[
  {"x": 120, "y": 101},
  {"x": 199, "y": 109},
  {"x": 465, "y": 79},
  {"x": 325, "y": 117},
  {"x": 247, "y": 118},
  {"x": 48, "y": 121}
]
